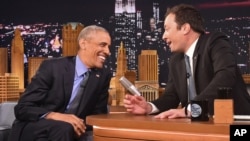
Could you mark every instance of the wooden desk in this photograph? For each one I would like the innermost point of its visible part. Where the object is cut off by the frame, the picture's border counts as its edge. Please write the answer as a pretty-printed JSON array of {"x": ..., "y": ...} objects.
[
  {"x": 117, "y": 109},
  {"x": 127, "y": 127}
]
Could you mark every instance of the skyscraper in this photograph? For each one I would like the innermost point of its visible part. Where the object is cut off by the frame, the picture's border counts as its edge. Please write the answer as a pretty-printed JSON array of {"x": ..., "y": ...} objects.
[
  {"x": 156, "y": 11},
  {"x": 17, "y": 57},
  {"x": 148, "y": 65},
  {"x": 120, "y": 71},
  {"x": 125, "y": 30},
  {"x": 4, "y": 61},
  {"x": 70, "y": 34},
  {"x": 148, "y": 84}
]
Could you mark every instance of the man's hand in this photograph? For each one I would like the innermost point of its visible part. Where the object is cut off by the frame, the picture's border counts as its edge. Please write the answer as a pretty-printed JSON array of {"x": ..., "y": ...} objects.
[
  {"x": 76, "y": 122},
  {"x": 172, "y": 113},
  {"x": 136, "y": 104}
]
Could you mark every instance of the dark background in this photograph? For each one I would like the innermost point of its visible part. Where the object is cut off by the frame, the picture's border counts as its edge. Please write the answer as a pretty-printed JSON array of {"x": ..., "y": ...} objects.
[
  {"x": 85, "y": 11},
  {"x": 59, "y": 12}
]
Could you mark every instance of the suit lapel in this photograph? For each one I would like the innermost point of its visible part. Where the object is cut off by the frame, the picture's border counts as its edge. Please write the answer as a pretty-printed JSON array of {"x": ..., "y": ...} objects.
[
  {"x": 197, "y": 55},
  {"x": 197, "y": 52},
  {"x": 68, "y": 76},
  {"x": 89, "y": 90},
  {"x": 195, "y": 58}
]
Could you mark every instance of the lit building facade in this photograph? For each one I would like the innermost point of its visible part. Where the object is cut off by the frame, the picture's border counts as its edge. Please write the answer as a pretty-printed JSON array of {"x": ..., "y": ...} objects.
[
  {"x": 148, "y": 65},
  {"x": 34, "y": 63},
  {"x": 148, "y": 89},
  {"x": 156, "y": 11},
  {"x": 70, "y": 34},
  {"x": 120, "y": 71},
  {"x": 125, "y": 30},
  {"x": 17, "y": 57},
  {"x": 4, "y": 61},
  {"x": 148, "y": 84},
  {"x": 9, "y": 88}
]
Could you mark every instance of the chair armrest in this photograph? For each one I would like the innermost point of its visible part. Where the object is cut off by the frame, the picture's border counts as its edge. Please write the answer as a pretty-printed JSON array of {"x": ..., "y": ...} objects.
[{"x": 7, "y": 115}]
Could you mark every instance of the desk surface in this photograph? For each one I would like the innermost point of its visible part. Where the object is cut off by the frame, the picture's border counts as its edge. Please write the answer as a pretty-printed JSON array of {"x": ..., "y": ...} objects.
[
  {"x": 146, "y": 127},
  {"x": 125, "y": 120}
]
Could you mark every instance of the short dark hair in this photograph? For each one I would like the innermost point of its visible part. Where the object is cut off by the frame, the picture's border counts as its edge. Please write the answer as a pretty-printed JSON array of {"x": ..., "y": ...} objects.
[
  {"x": 185, "y": 13},
  {"x": 86, "y": 31}
]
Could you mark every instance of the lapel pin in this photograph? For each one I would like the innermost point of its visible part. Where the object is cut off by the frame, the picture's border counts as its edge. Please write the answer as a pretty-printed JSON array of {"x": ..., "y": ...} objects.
[{"x": 97, "y": 75}]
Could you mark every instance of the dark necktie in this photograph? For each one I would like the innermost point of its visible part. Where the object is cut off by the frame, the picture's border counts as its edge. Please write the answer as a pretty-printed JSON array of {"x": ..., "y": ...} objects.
[
  {"x": 191, "y": 84},
  {"x": 76, "y": 101}
]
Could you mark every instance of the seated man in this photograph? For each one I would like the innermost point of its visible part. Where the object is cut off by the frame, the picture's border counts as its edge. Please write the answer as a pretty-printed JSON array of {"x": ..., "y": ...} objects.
[
  {"x": 48, "y": 109},
  {"x": 212, "y": 64}
]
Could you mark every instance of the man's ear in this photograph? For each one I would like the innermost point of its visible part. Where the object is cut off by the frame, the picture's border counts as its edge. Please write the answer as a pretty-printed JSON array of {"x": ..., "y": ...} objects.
[
  {"x": 82, "y": 43},
  {"x": 186, "y": 28}
]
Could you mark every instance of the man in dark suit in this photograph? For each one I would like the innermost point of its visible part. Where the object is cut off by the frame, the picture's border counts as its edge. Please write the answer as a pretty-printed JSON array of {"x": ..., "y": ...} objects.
[
  {"x": 41, "y": 111},
  {"x": 213, "y": 65}
]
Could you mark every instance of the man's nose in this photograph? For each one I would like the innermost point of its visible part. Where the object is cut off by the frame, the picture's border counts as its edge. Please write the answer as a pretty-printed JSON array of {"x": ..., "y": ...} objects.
[{"x": 164, "y": 36}]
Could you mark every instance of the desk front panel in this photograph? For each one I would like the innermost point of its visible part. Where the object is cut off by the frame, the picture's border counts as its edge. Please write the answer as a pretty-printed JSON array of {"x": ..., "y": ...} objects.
[
  {"x": 121, "y": 134},
  {"x": 127, "y": 127}
]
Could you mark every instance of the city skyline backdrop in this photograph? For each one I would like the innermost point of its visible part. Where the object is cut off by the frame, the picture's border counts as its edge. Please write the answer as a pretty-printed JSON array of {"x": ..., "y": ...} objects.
[
  {"x": 29, "y": 11},
  {"x": 46, "y": 18}
]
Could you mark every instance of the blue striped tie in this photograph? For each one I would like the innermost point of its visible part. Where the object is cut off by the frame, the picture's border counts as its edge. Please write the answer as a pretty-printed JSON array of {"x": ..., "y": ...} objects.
[{"x": 73, "y": 107}]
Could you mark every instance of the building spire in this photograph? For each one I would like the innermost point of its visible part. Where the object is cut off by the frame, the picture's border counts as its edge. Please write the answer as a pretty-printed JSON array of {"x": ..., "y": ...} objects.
[{"x": 121, "y": 45}]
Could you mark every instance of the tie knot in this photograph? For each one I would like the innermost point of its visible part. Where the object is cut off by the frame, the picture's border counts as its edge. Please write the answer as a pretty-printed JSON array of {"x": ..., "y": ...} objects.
[
  {"x": 187, "y": 59},
  {"x": 188, "y": 68},
  {"x": 86, "y": 73},
  {"x": 85, "y": 79}
]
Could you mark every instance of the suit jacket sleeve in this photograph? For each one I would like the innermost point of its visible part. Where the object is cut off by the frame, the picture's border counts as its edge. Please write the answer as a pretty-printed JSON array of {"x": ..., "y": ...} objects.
[{"x": 30, "y": 105}]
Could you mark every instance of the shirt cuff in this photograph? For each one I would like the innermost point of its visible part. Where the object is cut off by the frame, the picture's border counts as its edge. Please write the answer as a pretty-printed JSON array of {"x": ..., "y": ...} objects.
[
  {"x": 44, "y": 115},
  {"x": 154, "y": 108},
  {"x": 187, "y": 110}
]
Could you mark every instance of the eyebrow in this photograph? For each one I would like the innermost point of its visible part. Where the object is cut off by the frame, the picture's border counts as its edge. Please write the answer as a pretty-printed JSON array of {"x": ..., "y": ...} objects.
[{"x": 103, "y": 43}]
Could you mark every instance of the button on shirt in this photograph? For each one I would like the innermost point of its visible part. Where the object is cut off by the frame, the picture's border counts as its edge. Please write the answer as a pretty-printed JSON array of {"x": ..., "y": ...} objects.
[{"x": 80, "y": 69}]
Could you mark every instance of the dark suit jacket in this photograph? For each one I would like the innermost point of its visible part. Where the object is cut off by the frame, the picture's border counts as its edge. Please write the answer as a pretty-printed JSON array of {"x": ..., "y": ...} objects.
[
  {"x": 214, "y": 66},
  {"x": 50, "y": 90}
]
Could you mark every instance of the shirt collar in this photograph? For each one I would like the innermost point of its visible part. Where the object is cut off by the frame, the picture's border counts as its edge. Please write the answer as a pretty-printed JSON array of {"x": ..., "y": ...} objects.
[
  {"x": 190, "y": 51},
  {"x": 80, "y": 67}
]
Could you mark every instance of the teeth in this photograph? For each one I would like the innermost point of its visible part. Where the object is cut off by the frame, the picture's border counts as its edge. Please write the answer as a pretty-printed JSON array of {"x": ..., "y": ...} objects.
[{"x": 103, "y": 58}]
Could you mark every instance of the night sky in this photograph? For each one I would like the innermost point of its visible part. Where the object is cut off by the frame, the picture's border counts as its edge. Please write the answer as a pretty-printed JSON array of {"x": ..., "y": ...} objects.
[
  {"x": 31, "y": 11},
  {"x": 55, "y": 10},
  {"x": 86, "y": 11}
]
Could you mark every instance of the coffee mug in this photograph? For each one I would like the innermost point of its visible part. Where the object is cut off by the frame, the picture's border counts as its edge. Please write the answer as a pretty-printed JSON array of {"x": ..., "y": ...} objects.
[{"x": 199, "y": 110}]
